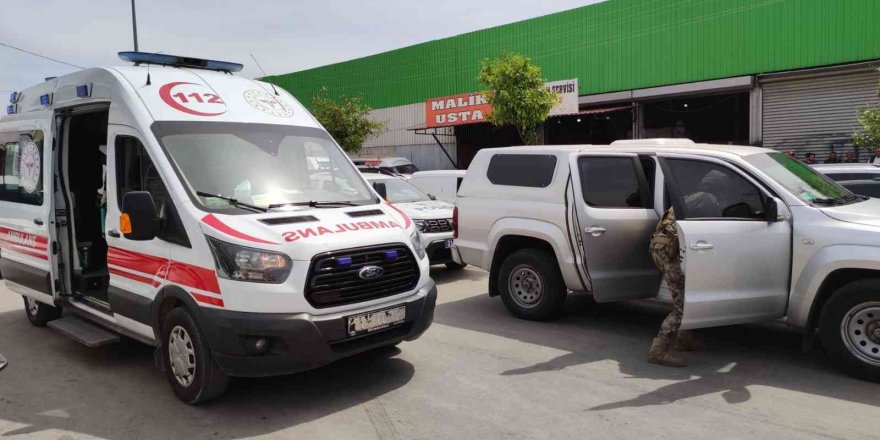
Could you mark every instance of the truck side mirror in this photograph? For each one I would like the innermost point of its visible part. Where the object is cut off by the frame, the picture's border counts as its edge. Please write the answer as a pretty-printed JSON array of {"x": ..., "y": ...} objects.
[
  {"x": 380, "y": 188},
  {"x": 771, "y": 210},
  {"x": 139, "y": 220}
]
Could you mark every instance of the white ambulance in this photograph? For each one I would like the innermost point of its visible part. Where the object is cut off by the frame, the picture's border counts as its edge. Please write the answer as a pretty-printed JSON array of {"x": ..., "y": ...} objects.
[{"x": 205, "y": 214}]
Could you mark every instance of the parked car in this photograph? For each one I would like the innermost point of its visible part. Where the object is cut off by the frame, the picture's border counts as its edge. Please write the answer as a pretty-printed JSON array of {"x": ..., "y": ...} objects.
[
  {"x": 392, "y": 165},
  {"x": 860, "y": 178},
  {"x": 432, "y": 217},
  {"x": 442, "y": 184},
  {"x": 765, "y": 236}
]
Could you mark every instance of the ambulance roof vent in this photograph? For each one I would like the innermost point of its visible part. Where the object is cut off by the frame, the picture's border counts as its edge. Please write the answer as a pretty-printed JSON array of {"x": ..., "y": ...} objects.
[{"x": 162, "y": 59}]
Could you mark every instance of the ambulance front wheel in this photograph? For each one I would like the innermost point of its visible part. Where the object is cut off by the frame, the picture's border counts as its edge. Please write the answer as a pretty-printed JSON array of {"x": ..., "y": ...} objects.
[
  {"x": 189, "y": 366},
  {"x": 39, "y": 314}
]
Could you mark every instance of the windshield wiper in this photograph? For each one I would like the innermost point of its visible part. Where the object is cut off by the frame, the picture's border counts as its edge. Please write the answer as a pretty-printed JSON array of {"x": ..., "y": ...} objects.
[
  {"x": 233, "y": 201},
  {"x": 314, "y": 204},
  {"x": 846, "y": 198}
]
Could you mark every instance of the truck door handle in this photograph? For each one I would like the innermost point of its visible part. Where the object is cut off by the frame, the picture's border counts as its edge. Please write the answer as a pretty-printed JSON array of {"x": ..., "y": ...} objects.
[
  {"x": 701, "y": 246},
  {"x": 113, "y": 233},
  {"x": 595, "y": 231},
  {"x": 38, "y": 222}
]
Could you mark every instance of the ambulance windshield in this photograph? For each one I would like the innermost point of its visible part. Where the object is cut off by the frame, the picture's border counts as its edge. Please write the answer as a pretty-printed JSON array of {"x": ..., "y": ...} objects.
[{"x": 262, "y": 166}]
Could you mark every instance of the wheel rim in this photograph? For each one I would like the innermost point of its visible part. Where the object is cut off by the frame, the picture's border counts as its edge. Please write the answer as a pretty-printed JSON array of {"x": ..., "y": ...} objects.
[
  {"x": 182, "y": 356},
  {"x": 860, "y": 329},
  {"x": 526, "y": 286},
  {"x": 33, "y": 306}
]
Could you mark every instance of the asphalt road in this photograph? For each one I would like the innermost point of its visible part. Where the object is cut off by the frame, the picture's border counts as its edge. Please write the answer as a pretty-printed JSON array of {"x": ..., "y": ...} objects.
[{"x": 478, "y": 373}]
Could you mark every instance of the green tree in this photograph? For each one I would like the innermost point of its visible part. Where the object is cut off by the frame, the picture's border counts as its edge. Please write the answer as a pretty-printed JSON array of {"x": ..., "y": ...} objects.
[
  {"x": 345, "y": 118},
  {"x": 517, "y": 94},
  {"x": 869, "y": 138}
]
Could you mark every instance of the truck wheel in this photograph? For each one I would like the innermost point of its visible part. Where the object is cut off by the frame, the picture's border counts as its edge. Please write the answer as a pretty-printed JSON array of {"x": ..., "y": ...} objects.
[
  {"x": 530, "y": 284},
  {"x": 39, "y": 314},
  {"x": 189, "y": 367},
  {"x": 849, "y": 327},
  {"x": 455, "y": 266}
]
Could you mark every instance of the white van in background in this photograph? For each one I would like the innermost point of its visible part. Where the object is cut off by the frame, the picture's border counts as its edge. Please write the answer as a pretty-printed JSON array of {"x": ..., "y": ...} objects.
[
  {"x": 442, "y": 184},
  {"x": 399, "y": 166},
  {"x": 205, "y": 214}
]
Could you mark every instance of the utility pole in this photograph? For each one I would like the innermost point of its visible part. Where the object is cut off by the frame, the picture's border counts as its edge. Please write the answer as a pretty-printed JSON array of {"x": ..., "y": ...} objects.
[{"x": 134, "y": 26}]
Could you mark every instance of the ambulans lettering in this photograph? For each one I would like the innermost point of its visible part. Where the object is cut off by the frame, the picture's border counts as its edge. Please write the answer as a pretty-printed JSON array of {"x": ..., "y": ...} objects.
[
  {"x": 21, "y": 238},
  {"x": 339, "y": 228},
  {"x": 192, "y": 98}
]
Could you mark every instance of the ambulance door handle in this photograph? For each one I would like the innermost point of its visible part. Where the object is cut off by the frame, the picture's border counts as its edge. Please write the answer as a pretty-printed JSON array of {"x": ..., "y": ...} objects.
[
  {"x": 38, "y": 222},
  {"x": 113, "y": 233}
]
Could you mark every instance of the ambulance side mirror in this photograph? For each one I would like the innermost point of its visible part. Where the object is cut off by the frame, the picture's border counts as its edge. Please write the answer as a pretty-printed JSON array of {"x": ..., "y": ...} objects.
[
  {"x": 138, "y": 220},
  {"x": 380, "y": 188}
]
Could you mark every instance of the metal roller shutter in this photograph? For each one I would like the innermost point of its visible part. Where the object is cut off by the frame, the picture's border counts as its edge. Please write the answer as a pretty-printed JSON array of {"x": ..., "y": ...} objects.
[{"x": 816, "y": 113}]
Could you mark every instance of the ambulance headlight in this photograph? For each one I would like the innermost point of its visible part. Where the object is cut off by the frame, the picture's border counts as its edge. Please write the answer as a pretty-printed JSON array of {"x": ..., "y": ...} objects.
[
  {"x": 416, "y": 240},
  {"x": 241, "y": 263}
]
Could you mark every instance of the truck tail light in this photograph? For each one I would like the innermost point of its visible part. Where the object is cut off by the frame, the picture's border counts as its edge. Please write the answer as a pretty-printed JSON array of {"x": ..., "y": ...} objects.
[{"x": 455, "y": 222}]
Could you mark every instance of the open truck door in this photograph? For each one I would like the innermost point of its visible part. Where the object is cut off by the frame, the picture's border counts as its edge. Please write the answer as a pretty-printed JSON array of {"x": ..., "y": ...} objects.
[
  {"x": 615, "y": 216},
  {"x": 736, "y": 239}
]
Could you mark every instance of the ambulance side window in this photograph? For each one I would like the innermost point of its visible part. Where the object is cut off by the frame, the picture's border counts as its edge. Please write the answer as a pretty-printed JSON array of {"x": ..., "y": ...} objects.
[
  {"x": 21, "y": 172},
  {"x": 135, "y": 171}
]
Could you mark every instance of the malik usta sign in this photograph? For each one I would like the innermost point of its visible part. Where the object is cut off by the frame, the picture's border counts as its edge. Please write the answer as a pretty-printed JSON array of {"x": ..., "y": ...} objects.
[{"x": 470, "y": 108}]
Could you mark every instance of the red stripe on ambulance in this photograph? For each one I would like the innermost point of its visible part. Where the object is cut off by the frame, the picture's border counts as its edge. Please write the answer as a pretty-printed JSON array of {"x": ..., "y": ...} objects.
[{"x": 215, "y": 223}]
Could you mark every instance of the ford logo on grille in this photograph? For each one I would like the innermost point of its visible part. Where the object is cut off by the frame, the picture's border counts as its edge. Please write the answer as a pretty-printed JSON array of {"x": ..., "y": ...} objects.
[{"x": 370, "y": 272}]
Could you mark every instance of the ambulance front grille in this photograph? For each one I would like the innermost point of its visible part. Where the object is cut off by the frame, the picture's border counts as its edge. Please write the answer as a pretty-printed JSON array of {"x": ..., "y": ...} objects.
[{"x": 334, "y": 277}]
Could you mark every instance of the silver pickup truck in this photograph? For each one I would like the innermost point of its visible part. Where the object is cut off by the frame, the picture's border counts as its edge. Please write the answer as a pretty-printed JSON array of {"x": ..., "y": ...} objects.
[{"x": 764, "y": 236}]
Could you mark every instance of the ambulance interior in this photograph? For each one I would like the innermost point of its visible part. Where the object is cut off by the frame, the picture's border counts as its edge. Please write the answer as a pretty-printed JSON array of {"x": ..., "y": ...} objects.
[{"x": 80, "y": 203}]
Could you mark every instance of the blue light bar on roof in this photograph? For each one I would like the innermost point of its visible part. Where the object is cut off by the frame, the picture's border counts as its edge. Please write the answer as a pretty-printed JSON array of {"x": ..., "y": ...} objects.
[
  {"x": 46, "y": 99},
  {"x": 179, "y": 61},
  {"x": 13, "y": 97},
  {"x": 10, "y": 109},
  {"x": 84, "y": 90}
]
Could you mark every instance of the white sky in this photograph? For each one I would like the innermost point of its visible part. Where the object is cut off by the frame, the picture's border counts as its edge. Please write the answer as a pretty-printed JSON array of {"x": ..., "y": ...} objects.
[{"x": 285, "y": 36}]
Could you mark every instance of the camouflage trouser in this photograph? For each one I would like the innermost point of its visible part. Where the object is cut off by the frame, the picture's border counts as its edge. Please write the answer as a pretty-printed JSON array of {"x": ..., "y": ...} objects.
[{"x": 671, "y": 268}]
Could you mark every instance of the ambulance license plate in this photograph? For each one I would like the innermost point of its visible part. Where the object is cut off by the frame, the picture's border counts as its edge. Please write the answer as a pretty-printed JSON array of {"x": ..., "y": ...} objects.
[{"x": 375, "y": 321}]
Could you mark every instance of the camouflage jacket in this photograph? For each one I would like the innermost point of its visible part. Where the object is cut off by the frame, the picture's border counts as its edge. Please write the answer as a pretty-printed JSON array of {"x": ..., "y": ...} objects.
[{"x": 665, "y": 238}]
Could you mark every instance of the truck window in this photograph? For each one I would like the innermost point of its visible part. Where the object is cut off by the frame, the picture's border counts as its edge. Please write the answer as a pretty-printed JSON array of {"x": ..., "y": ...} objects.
[
  {"x": 21, "y": 171},
  {"x": 529, "y": 170},
  {"x": 136, "y": 172},
  {"x": 610, "y": 182},
  {"x": 713, "y": 191}
]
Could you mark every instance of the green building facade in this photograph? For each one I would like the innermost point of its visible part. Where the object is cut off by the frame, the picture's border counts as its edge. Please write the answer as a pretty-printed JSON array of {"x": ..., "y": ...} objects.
[{"x": 620, "y": 50}]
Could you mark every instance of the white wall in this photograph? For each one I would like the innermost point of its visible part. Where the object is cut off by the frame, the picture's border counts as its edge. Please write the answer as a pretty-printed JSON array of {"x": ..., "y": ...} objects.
[{"x": 399, "y": 139}]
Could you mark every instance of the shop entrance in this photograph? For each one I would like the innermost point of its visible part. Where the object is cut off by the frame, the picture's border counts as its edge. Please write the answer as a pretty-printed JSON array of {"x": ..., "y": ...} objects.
[
  {"x": 597, "y": 126},
  {"x": 718, "y": 119}
]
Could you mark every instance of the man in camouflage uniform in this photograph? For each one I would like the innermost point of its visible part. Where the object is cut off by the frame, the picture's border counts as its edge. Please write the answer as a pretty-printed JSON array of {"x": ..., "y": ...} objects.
[{"x": 666, "y": 253}]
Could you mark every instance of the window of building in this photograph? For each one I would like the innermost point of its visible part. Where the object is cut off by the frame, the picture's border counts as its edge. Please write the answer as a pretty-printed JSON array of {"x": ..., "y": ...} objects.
[
  {"x": 530, "y": 170},
  {"x": 21, "y": 167},
  {"x": 610, "y": 182},
  {"x": 711, "y": 190}
]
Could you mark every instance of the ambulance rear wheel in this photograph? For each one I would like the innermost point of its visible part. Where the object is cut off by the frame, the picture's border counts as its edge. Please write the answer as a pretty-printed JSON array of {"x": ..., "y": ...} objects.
[
  {"x": 189, "y": 366},
  {"x": 39, "y": 314}
]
